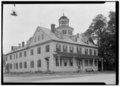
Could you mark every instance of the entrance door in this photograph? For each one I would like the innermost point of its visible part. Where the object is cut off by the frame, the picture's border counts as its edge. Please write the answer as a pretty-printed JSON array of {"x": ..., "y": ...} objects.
[
  {"x": 47, "y": 61},
  {"x": 79, "y": 64}
]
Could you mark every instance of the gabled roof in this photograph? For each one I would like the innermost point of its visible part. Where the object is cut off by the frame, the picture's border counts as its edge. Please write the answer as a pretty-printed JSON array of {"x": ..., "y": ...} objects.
[
  {"x": 65, "y": 38},
  {"x": 57, "y": 36}
]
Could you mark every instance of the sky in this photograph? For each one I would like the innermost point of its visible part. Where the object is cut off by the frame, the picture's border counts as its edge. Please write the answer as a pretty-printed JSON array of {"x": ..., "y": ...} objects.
[{"x": 20, "y": 28}]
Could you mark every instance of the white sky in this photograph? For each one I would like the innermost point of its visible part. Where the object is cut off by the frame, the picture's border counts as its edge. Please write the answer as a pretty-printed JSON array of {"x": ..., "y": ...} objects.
[{"x": 19, "y": 28}]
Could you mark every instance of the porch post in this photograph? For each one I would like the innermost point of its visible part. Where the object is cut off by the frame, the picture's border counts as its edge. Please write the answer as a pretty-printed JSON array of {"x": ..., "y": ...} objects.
[
  {"x": 93, "y": 62},
  {"x": 102, "y": 64},
  {"x": 59, "y": 60}
]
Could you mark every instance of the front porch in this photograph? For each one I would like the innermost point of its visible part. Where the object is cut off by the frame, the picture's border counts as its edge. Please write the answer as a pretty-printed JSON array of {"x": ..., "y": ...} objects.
[{"x": 76, "y": 62}]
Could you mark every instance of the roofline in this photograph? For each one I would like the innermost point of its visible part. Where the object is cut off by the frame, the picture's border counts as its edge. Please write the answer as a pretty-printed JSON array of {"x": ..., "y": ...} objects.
[{"x": 49, "y": 42}]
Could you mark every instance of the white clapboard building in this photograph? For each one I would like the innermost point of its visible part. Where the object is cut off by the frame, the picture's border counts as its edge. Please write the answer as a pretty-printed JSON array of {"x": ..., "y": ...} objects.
[{"x": 54, "y": 50}]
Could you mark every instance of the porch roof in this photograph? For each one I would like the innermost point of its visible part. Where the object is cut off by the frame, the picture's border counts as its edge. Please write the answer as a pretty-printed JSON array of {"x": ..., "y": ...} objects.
[{"x": 76, "y": 55}]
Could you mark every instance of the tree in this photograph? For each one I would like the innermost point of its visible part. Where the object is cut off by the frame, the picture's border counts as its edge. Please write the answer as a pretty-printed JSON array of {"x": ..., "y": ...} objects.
[{"x": 105, "y": 34}]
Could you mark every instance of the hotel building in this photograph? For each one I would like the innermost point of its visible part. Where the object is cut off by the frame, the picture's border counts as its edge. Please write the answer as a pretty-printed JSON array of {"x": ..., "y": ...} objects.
[{"x": 54, "y": 50}]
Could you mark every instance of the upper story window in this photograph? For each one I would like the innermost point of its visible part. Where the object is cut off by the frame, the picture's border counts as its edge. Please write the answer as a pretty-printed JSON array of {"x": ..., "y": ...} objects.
[
  {"x": 25, "y": 54},
  {"x": 39, "y": 50},
  {"x": 69, "y": 32},
  {"x": 42, "y": 36},
  {"x": 95, "y": 52},
  {"x": 64, "y": 48},
  {"x": 31, "y": 52},
  {"x": 58, "y": 47},
  {"x": 90, "y": 50},
  {"x": 65, "y": 31},
  {"x": 47, "y": 48},
  {"x": 79, "y": 50},
  {"x": 71, "y": 49},
  {"x": 35, "y": 39},
  {"x": 10, "y": 57},
  {"x": 38, "y": 37},
  {"x": 16, "y": 55},
  {"x": 86, "y": 51},
  {"x": 20, "y": 54}
]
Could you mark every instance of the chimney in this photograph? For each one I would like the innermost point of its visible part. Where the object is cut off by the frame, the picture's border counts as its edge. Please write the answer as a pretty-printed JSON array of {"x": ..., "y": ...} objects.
[
  {"x": 78, "y": 35},
  {"x": 23, "y": 44},
  {"x": 12, "y": 48},
  {"x": 53, "y": 28},
  {"x": 19, "y": 45}
]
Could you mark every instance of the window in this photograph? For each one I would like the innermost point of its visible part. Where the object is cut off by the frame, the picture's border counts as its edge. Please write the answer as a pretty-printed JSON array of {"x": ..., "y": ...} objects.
[
  {"x": 91, "y": 62},
  {"x": 71, "y": 61},
  {"x": 32, "y": 64},
  {"x": 95, "y": 52},
  {"x": 16, "y": 55},
  {"x": 10, "y": 66},
  {"x": 71, "y": 49},
  {"x": 86, "y": 51},
  {"x": 95, "y": 62},
  {"x": 47, "y": 48},
  {"x": 35, "y": 39},
  {"x": 42, "y": 36},
  {"x": 64, "y": 48},
  {"x": 65, "y": 62},
  {"x": 39, "y": 63},
  {"x": 38, "y": 50},
  {"x": 57, "y": 62},
  {"x": 25, "y": 64},
  {"x": 20, "y": 54},
  {"x": 39, "y": 38},
  {"x": 65, "y": 32},
  {"x": 58, "y": 47},
  {"x": 25, "y": 53},
  {"x": 16, "y": 65},
  {"x": 20, "y": 65},
  {"x": 31, "y": 51},
  {"x": 86, "y": 62},
  {"x": 10, "y": 57},
  {"x": 79, "y": 50},
  {"x": 90, "y": 51}
]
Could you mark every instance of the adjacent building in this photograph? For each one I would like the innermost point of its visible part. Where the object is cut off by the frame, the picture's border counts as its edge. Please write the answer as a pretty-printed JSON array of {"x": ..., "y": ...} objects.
[{"x": 54, "y": 50}]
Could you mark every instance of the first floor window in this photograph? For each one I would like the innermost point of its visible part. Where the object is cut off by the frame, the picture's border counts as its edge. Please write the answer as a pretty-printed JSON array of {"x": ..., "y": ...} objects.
[
  {"x": 91, "y": 62},
  {"x": 95, "y": 62},
  {"x": 39, "y": 63},
  {"x": 10, "y": 66},
  {"x": 32, "y": 64},
  {"x": 20, "y": 65},
  {"x": 71, "y": 62},
  {"x": 57, "y": 62},
  {"x": 86, "y": 62},
  {"x": 25, "y": 64},
  {"x": 16, "y": 65},
  {"x": 65, "y": 62}
]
